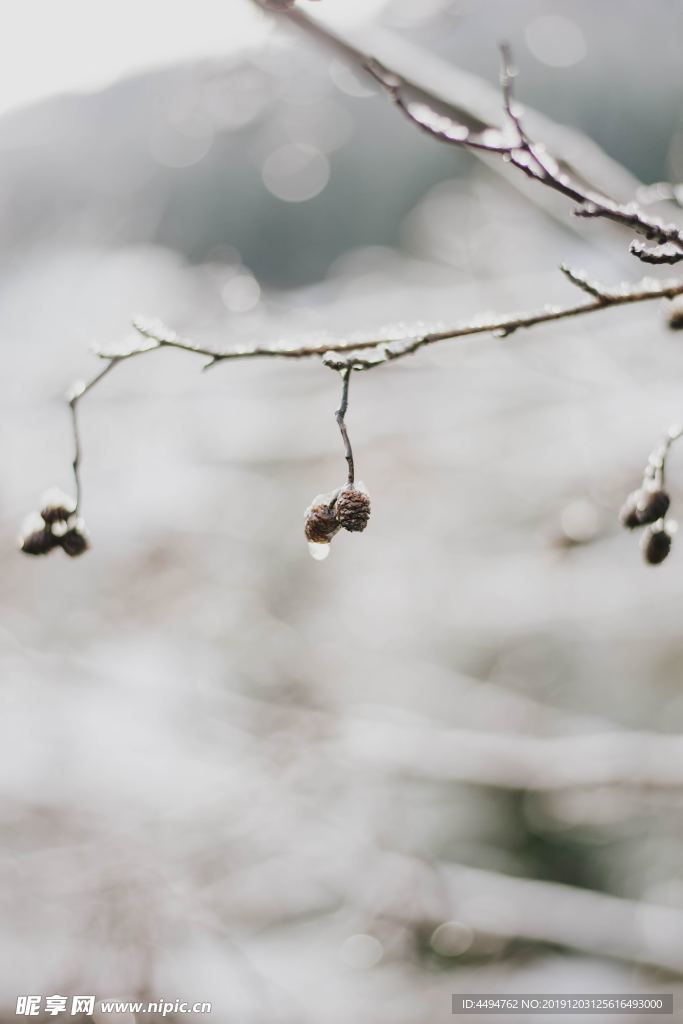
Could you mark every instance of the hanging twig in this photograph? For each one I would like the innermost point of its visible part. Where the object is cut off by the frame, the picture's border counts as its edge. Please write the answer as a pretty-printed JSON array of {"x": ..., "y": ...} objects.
[
  {"x": 340, "y": 414},
  {"x": 74, "y": 396}
]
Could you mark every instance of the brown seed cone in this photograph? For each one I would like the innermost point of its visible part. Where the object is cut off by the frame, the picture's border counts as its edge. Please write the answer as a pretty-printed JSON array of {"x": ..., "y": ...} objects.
[
  {"x": 75, "y": 541},
  {"x": 321, "y": 524},
  {"x": 676, "y": 318},
  {"x": 57, "y": 507},
  {"x": 353, "y": 509},
  {"x": 656, "y": 545},
  {"x": 653, "y": 504},
  {"x": 38, "y": 542}
]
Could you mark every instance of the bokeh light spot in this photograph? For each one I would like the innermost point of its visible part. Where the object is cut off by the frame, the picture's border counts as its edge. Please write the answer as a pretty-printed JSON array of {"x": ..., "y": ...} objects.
[
  {"x": 361, "y": 951},
  {"x": 241, "y": 293},
  {"x": 296, "y": 173},
  {"x": 556, "y": 41}
]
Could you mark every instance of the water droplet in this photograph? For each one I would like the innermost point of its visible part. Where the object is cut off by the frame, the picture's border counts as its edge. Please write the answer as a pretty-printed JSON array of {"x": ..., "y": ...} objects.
[{"x": 318, "y": 551}]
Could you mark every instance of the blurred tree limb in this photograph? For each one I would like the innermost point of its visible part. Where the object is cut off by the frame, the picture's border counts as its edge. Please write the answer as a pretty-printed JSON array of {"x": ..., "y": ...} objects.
[
  {"x": 566, "y": 916},
  {"x": 524, "y": 762}
]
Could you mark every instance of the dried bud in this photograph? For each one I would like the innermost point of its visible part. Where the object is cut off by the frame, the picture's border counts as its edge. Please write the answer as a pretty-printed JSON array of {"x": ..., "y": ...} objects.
[
  {"x": 676, "y": 318},
  {"x": 74, "y": 541},
  {"x": 629, "y": 515},
  {"x": 37, "y": 538},
  {"x": 57, "y": 506},
  {"x": 653, "y": 504},
  {"x": 656, "y": 544},
  {"x": 353, "y": 508},
  {"x": 321, "y": 523}
]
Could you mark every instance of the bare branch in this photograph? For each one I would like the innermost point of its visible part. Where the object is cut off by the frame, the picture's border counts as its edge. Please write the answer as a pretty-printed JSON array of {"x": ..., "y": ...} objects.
[
  {"x": 528, "y": 157},
  {"x": 440, "y": 126},
  {"x": 388, "y": 350},
  {"x": 357, "y": 354},
  {"x": 340, "y": 355}
]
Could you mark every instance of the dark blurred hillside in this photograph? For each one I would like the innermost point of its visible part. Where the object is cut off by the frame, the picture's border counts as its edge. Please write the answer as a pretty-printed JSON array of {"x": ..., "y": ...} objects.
[
  {"x": 198, "y": 158},
  {"x": 177, "y": 158}
]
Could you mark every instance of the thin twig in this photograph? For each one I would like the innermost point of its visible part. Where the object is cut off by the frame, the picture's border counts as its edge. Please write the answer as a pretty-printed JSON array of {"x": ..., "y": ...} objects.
[
  {"x": 339, "y": 415},
  {"x": 74, "y": 396}
]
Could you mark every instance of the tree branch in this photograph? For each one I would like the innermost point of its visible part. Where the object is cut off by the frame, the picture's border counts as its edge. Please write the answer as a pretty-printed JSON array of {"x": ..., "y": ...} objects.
[
  {"x": 339, "y": 355},
  {"x": 514, "y": 144},
  {"x": 460, "y": 125}
]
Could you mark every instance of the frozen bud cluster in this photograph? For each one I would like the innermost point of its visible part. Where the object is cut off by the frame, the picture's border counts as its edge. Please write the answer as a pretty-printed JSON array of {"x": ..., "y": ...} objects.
[
  {"x": 56, "y": 526},
  {"x": 36, "y": 538},
  {"x": 320, "y": 525},
  {"x": 676, "y": 317},
  {"x": 57, "y": 506},
  {"x": 647, "y": 507},
  {"x": 348, "y": 509}
]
